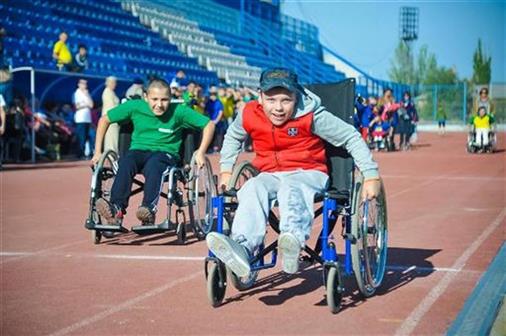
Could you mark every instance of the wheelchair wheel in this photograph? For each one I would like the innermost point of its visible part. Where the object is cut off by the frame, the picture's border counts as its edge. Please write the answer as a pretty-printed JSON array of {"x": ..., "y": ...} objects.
[
  {"x": 334, "y": 290},
  {"x": 216, "y": 284},
  {"x": 103, "y": 177},
  {"x": 202, "y": 191},
  {"x": 369, "y": 227},
  {"x": 243, "y": 172},
  {"x": 96, "y": 236}
]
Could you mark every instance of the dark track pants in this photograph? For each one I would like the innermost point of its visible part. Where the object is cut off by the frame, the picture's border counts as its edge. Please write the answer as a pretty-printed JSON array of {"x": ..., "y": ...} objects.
[{"x": 152, "y": 165}]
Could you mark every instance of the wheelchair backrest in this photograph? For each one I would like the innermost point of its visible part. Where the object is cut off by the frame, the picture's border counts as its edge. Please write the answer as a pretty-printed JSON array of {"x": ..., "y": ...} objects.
[{"x": 338, "y": 98}]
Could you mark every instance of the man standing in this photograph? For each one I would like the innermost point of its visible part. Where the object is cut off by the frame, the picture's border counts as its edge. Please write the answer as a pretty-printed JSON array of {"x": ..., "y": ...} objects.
[{"x": 83, "y": 105}]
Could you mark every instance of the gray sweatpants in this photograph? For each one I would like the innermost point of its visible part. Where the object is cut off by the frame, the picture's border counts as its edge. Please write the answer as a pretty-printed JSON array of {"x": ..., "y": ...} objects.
[{"x": 294, "y": 192}]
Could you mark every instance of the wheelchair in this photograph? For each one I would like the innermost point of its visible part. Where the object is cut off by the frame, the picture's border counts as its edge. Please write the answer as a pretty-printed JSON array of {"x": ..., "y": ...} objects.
[
  {"x": 187, "y": 189},
  {"x": 363, "y": 225},
  {"x": 474, "y": 147}
]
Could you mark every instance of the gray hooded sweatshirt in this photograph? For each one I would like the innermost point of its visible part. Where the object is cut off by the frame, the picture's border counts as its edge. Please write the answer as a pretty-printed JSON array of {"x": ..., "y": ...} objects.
[{"x": 325, "y": 125}]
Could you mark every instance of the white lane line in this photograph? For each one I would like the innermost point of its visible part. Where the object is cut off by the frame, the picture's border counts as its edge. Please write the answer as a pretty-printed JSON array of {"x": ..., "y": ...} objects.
[
  {"x": 403, "y": 268},
  {"x": 40, "y": 252},
  {"x": 451, "y": 178},
  {"x": 14, "y": 254},
  {"x": 125, "y": 305},
  {"x": 147, "y": 257},
  {"x": 414, "y": 268},
  {"x": 416, "y": 186},
  {"x": 423, "y": 307}
]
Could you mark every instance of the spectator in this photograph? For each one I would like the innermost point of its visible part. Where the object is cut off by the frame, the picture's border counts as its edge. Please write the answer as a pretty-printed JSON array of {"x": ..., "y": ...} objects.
[
  {"x": 214, "y": 110},
  {"x": 441, "y": 118},
  {"x": 407, "y": 119},
  {"x": 175, "y": 90},
  {"x": 179, "y": 79},
  {"x": 483, "y": 100},
  {"x": 388, "y": 108},
  {"x": 135, "y": 90},
  {"x": 67, "y": 115},
  {"x": 62, "y": 54},
  {"x": 15, "y": 129},
  {"x": 227, "y": 100},
  {"x": 81, "y": 59},
  {"x": 189, "y": 94},
  {"x": 83, "y": 104},
  {"x": 109, "y": 101},
  {"x": 6, "y": 84}
]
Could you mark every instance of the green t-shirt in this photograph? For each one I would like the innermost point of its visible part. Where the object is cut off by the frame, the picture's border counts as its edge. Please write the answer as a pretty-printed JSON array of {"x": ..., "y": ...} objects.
[{"x": 157, "y": 134}]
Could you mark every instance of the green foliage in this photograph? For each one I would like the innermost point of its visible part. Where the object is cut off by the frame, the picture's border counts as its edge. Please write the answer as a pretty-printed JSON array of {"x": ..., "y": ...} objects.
[
  {"x": 402, "y": 67},
  {"x": 481, "y": 66},
  {"x": 425, "y": 70}
]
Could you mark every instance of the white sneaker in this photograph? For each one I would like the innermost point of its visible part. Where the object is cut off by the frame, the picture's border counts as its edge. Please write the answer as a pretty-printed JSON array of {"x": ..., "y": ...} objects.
[
  {"x": 230, "y": 252},
  {"x": 289, "y": 247}
]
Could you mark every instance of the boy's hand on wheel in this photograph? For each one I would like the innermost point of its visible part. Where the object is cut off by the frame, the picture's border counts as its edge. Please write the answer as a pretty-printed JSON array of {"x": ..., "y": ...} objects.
[
  {"x": 95, "y": 158},
  {"x": 371, "y": 189},
  {"x": 200, "y": 159},
  {"x": 224, "y": 178}
]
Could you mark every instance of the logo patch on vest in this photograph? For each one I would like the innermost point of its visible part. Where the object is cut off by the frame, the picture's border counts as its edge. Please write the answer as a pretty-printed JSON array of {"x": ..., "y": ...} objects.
[{"x": 293, "y": 131}]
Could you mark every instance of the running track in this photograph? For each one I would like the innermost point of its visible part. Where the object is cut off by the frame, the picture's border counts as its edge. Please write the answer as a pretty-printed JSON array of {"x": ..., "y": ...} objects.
[{"x": 446, "y": 221}]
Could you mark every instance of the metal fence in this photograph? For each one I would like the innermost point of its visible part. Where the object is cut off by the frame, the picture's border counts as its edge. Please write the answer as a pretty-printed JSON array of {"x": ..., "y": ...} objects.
[{"x": 455, "y": 101}]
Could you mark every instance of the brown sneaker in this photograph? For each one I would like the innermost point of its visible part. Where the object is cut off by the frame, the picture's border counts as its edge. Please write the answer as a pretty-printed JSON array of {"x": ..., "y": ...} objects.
[
  {"x": 109, "y": 212},
  {"x": 145, "y": 215}
]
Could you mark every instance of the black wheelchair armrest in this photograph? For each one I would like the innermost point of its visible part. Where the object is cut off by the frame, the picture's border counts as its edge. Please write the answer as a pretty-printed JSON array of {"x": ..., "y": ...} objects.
[{"x": 230, "y": 193}]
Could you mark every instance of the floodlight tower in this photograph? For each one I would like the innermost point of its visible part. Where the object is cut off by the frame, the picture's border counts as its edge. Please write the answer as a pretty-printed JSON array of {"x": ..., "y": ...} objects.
[{"x": 408, "y": 25}]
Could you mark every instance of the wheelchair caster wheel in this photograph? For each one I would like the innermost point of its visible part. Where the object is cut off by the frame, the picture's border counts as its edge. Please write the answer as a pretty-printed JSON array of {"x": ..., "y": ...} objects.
[
  {"x": 216, "y": 284},
  {"x": 180, "y": 228},
  {"x": 334, "y": 290},
  {"x": 181, "y": 233},
  {"x": 96, "y": 236}
]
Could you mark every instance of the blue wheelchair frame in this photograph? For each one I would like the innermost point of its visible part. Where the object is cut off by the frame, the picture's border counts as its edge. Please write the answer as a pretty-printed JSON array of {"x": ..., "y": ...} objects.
[{"x": 328, "y": 251}]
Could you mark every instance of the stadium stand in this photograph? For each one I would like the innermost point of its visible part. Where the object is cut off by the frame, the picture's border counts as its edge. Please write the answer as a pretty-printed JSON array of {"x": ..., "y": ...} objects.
[
  {"x": 117, "y": 43},
  {"x": 207, "y": 40}
]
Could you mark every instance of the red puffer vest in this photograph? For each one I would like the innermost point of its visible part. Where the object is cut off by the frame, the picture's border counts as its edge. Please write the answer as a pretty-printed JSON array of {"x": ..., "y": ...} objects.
[{"x": 283, "y": 148}]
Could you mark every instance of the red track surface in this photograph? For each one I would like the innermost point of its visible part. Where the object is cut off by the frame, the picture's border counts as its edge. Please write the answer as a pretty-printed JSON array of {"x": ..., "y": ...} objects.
[{"x": 446, "y": 216}]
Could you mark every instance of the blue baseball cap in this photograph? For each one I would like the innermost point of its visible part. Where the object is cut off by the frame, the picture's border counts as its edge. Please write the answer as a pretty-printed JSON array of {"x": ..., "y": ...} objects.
[{"x": 279, "y": 77}]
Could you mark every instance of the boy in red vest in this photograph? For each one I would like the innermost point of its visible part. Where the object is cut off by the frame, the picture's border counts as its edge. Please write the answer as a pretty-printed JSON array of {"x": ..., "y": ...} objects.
[{"x": 287, "y": 126}]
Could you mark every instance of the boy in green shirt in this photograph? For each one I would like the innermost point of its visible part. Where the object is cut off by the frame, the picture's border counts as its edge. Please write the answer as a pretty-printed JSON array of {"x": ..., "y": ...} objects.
[{"x": 157, "y": 136}]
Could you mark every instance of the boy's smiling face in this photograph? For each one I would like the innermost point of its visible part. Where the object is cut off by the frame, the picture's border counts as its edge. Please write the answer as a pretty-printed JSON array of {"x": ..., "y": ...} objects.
[{"x": 279, "y": 105}]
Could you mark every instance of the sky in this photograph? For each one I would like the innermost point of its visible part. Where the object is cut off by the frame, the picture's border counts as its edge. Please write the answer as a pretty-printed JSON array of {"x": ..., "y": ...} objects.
[{"x": 367, "y": 32}]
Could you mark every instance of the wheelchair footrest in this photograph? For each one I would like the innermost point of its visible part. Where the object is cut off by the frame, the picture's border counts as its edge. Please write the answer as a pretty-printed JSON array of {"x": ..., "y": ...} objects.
[
  {"x": 111, "y": 228},
  {"x": 153, "y": 229}
]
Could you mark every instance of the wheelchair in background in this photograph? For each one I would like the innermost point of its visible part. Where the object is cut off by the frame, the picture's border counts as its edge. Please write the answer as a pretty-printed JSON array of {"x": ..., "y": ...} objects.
[
  {"x": 363, "y": 223},
  {"x": 475, "y": 145},
  {"x": 188, "y": 191}
]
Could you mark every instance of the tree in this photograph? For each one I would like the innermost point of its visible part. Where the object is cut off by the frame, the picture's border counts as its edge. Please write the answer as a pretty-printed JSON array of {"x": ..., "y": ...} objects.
[
  {"x": 402, "y": 69},
  {"x": 426, "y": 71},
  {"x": 481, "y": 66}
]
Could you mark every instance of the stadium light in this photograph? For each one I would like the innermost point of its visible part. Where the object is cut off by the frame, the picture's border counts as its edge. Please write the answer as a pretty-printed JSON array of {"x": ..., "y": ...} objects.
[{"x": 408, "y": 24}]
